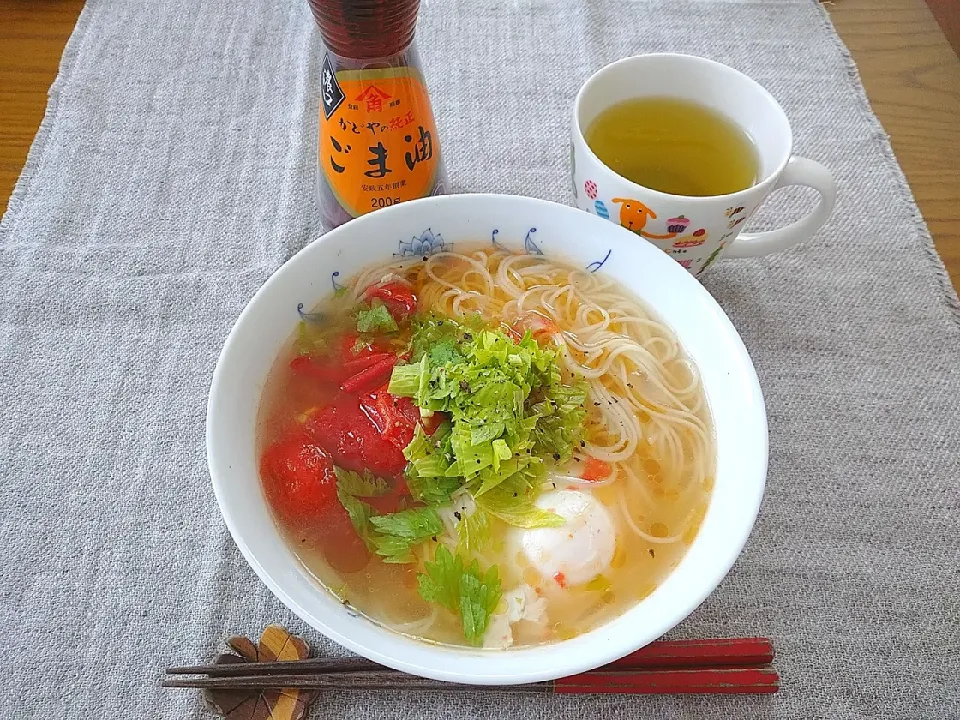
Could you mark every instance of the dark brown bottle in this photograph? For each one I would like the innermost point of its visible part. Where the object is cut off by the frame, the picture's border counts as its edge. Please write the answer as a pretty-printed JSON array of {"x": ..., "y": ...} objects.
[{"x": 378, "y": 142}]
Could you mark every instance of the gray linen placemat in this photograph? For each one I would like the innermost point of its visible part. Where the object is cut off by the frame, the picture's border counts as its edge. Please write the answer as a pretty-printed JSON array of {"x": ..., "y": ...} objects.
[{"x": 174, "y": 172}]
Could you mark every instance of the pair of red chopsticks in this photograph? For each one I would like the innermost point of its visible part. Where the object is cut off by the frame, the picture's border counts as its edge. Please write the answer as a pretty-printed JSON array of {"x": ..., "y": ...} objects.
[{"x": 715, "y": 666}]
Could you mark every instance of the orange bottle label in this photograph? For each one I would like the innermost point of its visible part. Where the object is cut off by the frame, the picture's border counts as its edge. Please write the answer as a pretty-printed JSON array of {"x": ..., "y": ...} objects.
[{"x": 378, "y": 140}]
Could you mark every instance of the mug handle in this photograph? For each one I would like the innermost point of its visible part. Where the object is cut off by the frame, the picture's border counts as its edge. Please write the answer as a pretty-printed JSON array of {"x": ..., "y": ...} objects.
[{"x": 799, "y": 171}]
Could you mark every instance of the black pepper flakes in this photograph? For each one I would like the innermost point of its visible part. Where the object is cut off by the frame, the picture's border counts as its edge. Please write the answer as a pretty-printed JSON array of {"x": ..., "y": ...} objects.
[
  {"x": 597, "y": 404},
  {"x": 468, "y": 337},
  {"x": 456, "y": 514},
  {"x": 556, "y": 456},
  {"x": 425, "y": 258},
  {"x": 652, "y": 553},
  {"x": 583, "y": 443}
]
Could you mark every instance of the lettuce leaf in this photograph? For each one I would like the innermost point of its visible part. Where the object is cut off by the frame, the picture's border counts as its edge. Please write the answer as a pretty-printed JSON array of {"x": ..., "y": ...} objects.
[
  {"x": 409, "y": 380},
  {"x": 398, "y": 533},
  {"x": 517, "y": 508},
  {"x": 461, "y": 589},
  {"x": 430, "y": 459},
  {"x": 359, "y": 513},
  {"x": 415, "y": 524},
  {"x": 375, "y": 319},
  {"x": 473, "y": 532},
  {"x": 510, "y": 412},
  {"x": 479, "y": 597},
  {"x": 357, "y": 485},
  {"x": 392, "y": 536}
]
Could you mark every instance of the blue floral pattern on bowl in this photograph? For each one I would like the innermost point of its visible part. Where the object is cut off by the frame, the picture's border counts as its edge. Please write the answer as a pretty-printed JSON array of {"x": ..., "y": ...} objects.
[
  {"x": 429, "y": 243},
  {"x": 308, "y": 316},
  {"x": 529, "y": 245},
  {"x": 597, "y": 264}
]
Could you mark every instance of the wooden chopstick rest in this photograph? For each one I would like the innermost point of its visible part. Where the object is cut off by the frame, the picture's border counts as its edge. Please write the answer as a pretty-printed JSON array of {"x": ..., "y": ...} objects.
[{"x": 276, "y": 645}]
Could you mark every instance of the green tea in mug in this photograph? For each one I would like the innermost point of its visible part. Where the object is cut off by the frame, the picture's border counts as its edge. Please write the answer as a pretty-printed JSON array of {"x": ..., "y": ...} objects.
[{"x": 675, "y": 146}]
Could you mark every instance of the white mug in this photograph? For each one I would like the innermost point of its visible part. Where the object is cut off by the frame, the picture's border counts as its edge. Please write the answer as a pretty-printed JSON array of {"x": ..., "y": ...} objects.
[{"x": 695, "y": 231}]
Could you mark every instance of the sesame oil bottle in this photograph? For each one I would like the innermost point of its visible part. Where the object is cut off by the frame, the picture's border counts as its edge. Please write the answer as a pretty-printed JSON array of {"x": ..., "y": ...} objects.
[{"x": 378, "y": 142}]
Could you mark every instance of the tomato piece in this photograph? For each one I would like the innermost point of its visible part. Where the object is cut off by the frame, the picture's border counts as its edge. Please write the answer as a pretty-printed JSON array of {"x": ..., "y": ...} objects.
[
  {"x": 345, "y": 431},
  {"x": 365, "y": 361},
  {"x": 395, "y": 418},
  {"x": 540, "y": 326},
  {"x": 386, "y": 412},
  {"x": 298, "y": 479},
  {"x": 594, "y": 469},
  {"x": 396, "y": 295},
  {"x": 560, "y": 579},
  {"x": 370, "y": 378}
]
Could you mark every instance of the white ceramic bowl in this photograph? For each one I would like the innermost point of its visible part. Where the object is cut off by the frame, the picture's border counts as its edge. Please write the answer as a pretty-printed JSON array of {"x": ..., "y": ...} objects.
[{"x": 424, "y": 227}]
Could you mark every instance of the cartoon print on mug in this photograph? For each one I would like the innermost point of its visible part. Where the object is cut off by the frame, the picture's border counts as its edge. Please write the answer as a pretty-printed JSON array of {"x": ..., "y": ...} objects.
[
  {"x": 634, "y": 215},
  {"x": 695, "y": 239},
  {"x": 736, "y": 216},
  {"x": 685, "y": 244},
  {"x": 713, "y": 256},
  {"x": 678, "y": 224}
]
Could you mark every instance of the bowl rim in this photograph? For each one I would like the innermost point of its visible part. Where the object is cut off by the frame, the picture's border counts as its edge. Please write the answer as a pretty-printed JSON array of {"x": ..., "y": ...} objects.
[{"x": 447, "y": 657}]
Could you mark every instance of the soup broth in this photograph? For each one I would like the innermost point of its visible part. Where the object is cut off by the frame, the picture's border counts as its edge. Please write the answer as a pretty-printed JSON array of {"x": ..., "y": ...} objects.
[{"x": 622, "y": 448}]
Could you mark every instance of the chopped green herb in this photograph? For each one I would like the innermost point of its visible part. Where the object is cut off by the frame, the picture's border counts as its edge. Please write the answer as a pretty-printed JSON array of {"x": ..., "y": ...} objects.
[
  {"x": 508, "y": 404},
  {"x": 464, "y": 590},
  {"x": 430, "y": 460},
  {"x": 473, "y": 532},
  {"x": 517, "y": 509},
  {"x": 397, "y": 533},
  {"x": 359, "y": 513},
  {"x": 440, "y": 581},
  {"x": 376, "y": 319},
  {"x": 479, "y": 596},
  {"x": 392, "y": 536},
  {"x": 418, "y": 523},
  {"x": 365, "y": 485}
]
